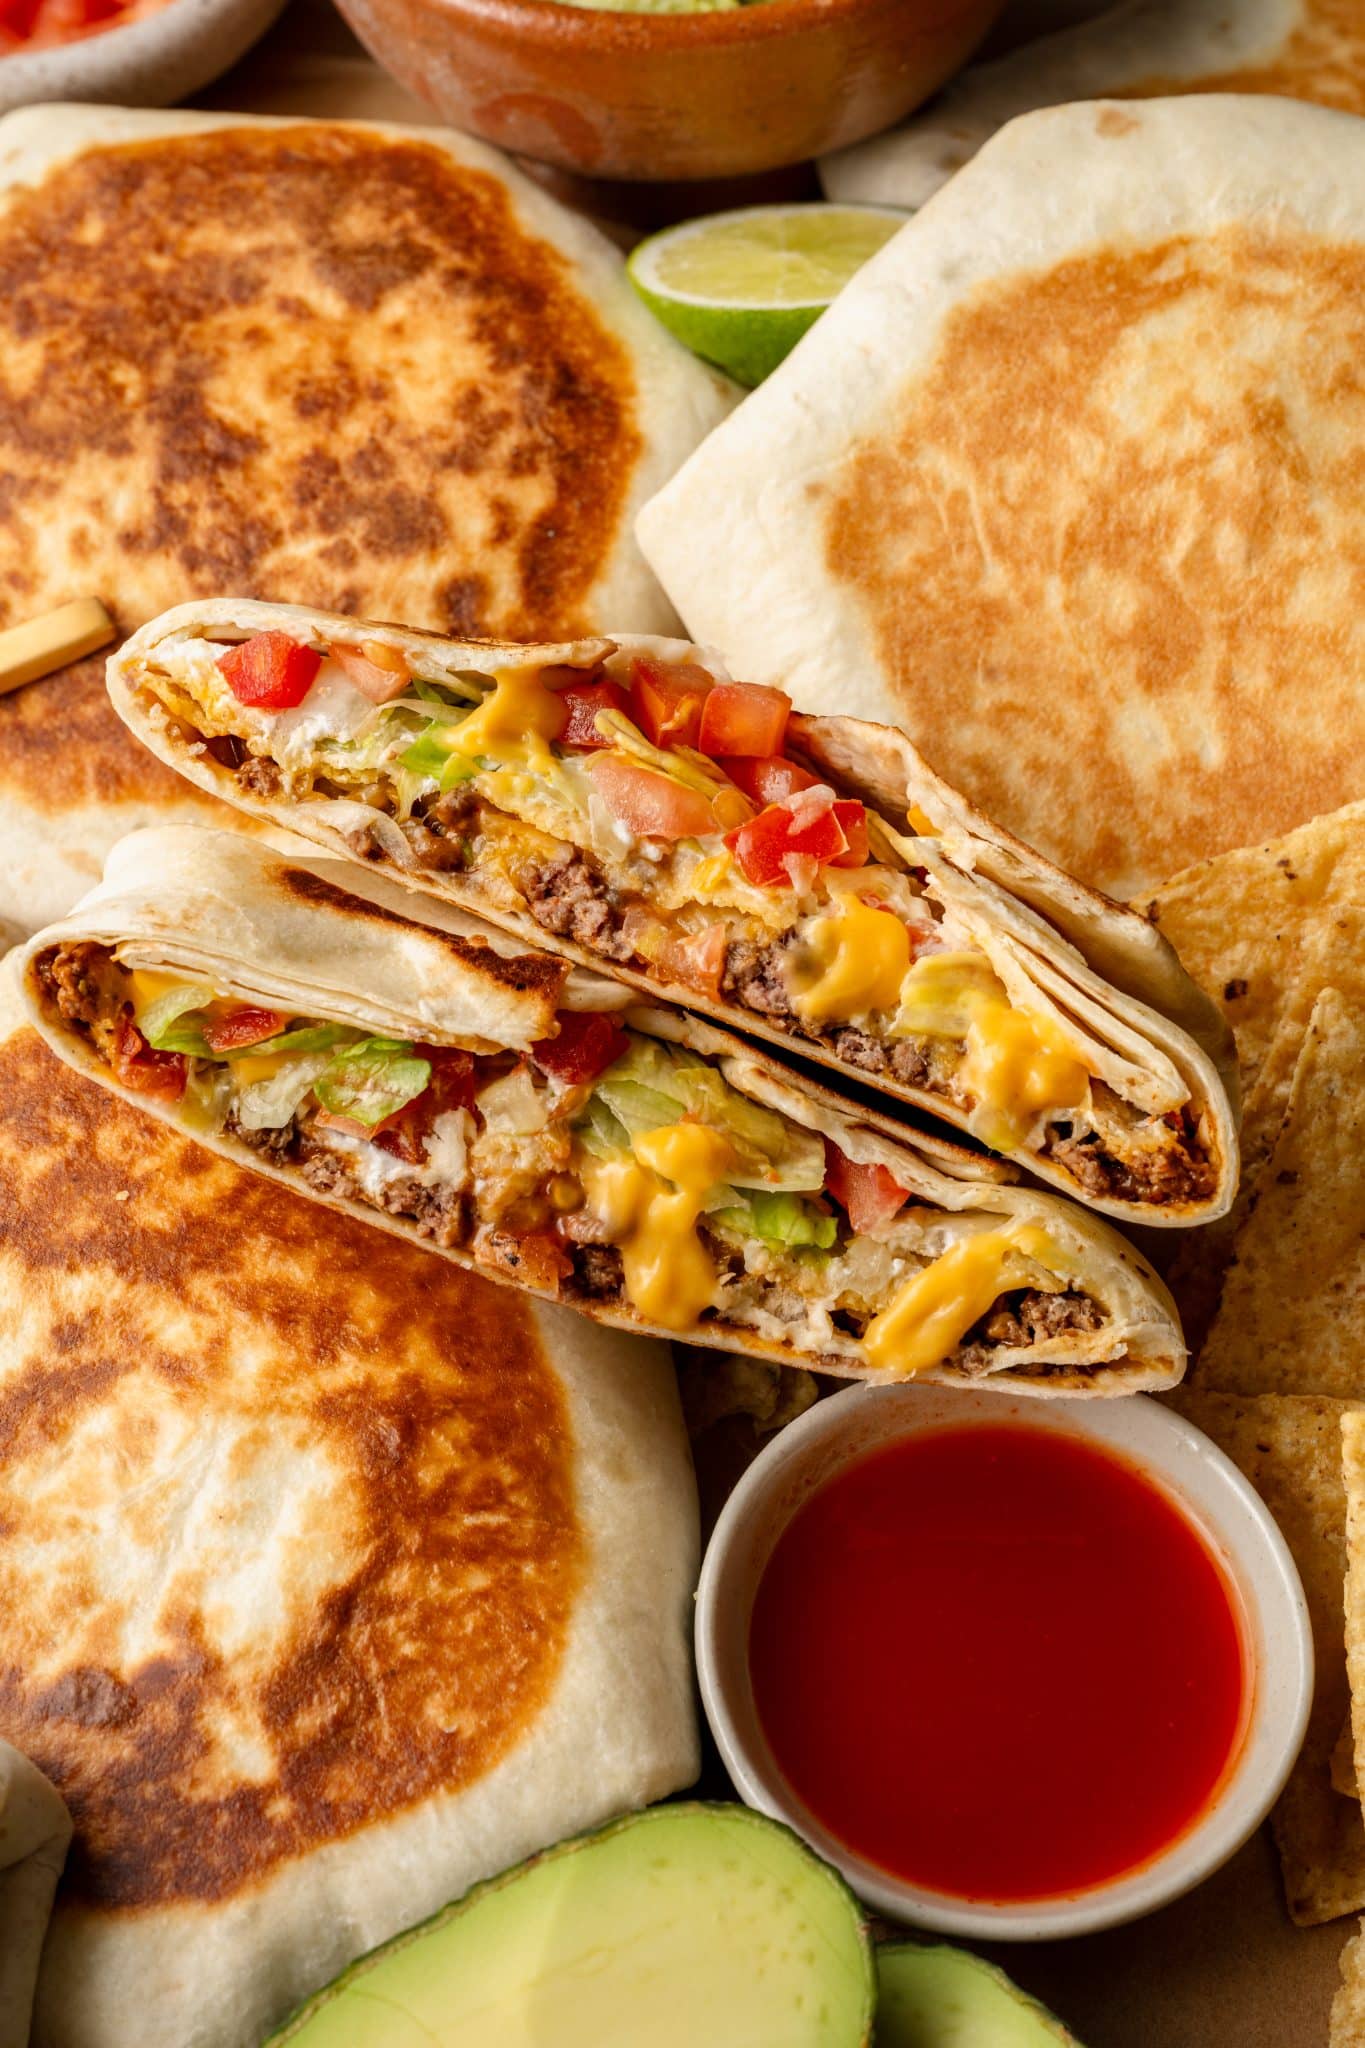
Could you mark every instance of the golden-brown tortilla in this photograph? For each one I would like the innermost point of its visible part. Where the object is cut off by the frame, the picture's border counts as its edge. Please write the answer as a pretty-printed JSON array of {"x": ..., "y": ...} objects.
[
  {"x": 1066, "y": 482},
  {"x": 362, "y": 366},
  {"x": 355, "y": 1558}
]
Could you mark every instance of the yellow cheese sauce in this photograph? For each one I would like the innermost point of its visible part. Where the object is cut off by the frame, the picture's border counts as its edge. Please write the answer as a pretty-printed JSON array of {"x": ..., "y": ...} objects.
[
  {"x": 936, "y": 1307},
  {"x": 515, "y": 723},
  {"x": 669, "y": 1276},
  {"x": 855, "y": 960}
]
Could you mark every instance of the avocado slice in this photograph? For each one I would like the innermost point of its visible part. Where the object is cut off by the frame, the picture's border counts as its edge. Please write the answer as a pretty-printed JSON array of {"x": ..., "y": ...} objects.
[
  {"x": 943, "y": 1997},
  {"x": 681, "y": 1925}
]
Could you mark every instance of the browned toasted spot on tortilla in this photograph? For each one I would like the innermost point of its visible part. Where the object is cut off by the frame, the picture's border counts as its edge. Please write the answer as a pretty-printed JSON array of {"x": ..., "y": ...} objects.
[
  {"x": 299, "y": 1494},
  {"x": 311, "y": 364},
  {"x": 521, "y": 972},
  {"x": 1109, "y": 121},
  {"x": 1113, "y": 547},
  {"x": 1322, "y": 59},
  {"x": 61, "y": 745}
]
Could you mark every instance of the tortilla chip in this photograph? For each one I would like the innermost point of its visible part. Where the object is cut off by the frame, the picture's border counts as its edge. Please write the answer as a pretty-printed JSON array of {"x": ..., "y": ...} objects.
[
  {"x": 1343, "y": 1767},
  {"x": 1353, "y": 1474},
  {"x": 1265, "y": 927},
  {"x": 1292, "y": 1315},
  {"x": 1348, "y": 2007},
  {"x": 1289, "y": 1447}
]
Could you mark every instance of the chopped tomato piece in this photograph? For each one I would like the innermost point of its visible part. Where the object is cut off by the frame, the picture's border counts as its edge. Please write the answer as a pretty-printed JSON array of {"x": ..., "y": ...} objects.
[
  {"x": 245, "y": 1026},
  {"x": 452, "y": 1084},
  {"x": 537, "y": 1260},
  {"x": 380, "y": 681},
  {"x": 851, "y": 817},
  {"x": 585, "y": 1045},
  {"x": 585, "y": 700},
  {"x": 770, "y": 781},
  {"x": 744, "y": 718},
  {"x": 270, "y": 671},
  {"x": 140, "y": 1066},
  {"x": 648, "y": 803},
  {"x": 871, "y": 1195},
  {"x": 698, "y": 960},
  {"x": 667, "y": 699}
]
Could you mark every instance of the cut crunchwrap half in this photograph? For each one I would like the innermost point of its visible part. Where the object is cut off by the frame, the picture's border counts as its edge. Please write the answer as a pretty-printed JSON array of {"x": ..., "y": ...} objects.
[
  {"x": 808, "y": 879},
  {"x": 333, "y": 1579},
  {"x": 542, "y": 1124}
]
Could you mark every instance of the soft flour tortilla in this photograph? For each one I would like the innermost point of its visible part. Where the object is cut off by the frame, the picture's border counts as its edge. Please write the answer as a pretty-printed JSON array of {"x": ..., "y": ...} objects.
[
  {"x": 35, "y": 1830},
  {"x": 372, "y": 1579},
  {"x": 1065, "y": 483},
  {"x": 364, "y": 366},
  {"x": 335, "y": 942},
  {"x": 1103, "y": 973},
  {"x": 1142, "y": 49}
]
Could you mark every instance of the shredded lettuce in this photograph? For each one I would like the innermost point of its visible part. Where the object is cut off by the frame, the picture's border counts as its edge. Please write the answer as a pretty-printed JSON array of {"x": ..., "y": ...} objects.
[
  {"x": 174, "y": 1022},
  {"x": 372, "y": 1079},
  {"x": 601, "y": 1131},
  {"x": 268, "y": 1105},
  {"x": 431, "y": 754},
  {"x": 305, "y": 1038},
  {"x": 452, "y": 691},
  {"x": 652, "y": 1085},
  {"x": 780, "y": 1219}
]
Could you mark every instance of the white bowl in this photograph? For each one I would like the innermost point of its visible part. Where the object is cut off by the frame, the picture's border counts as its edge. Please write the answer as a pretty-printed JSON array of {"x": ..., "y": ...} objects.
[
  {"x": 148, "y": 63},
  {"x": 1194, "y": 1474}
]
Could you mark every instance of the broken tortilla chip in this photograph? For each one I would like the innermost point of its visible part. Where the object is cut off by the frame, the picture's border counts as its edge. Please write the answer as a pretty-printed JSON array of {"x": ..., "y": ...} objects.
[
  {"x": 1348, "y": 2007},
  {"x": 1343, "y": 1768},
  {"x": 1353, "y": 1476},
  {"x": 1289, "y": 1447},
  {"x": 1292, "y": 1315}
]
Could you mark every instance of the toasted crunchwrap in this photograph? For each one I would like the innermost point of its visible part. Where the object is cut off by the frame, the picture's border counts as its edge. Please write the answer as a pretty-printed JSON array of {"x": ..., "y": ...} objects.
[
  {"x": 811, "y": 880},
  {"x": 399, "y": 1062},
  {"x": 369, "y": 367},
  {"x": 333, "y": 1579},
  {"x": 1139, "y": 49},
  {"x": 1065, "y": 483}
]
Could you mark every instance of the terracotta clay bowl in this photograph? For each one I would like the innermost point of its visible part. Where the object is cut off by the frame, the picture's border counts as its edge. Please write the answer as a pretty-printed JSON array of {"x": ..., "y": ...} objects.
[{"x": 671, "y": 96}]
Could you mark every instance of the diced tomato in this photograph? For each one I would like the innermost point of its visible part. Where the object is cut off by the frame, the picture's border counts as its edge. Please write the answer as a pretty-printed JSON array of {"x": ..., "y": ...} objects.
[
  {"x": 775, "y": 847},
  {"x": 667, "y": 699},
  {"x": 140, "y": 1066},
  {"x": 871, "y": 1195},
  {"x": 770, "y": 781},
  {"x": 380, "y": 681},
  {"x": 452, "y": 1085},
  {"x": 648, "y": 803},
  {"x": 851, "y": 817},
  {"x": 585, "y": 700},
  {"x": 270, "y": 671},
  {"x": 245, "y": 1026},
  {"x": 698, "y": 960},
  {"x": 584, "y": 1047},
  {"x": 744, "y": 718},
  {"x": 537, "y": 1259}
]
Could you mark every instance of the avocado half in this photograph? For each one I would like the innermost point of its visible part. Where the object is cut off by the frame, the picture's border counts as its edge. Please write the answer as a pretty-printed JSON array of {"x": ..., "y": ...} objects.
[
  {"x": 678, "y": 1926},
  {"x": 947, "y": 1998}
]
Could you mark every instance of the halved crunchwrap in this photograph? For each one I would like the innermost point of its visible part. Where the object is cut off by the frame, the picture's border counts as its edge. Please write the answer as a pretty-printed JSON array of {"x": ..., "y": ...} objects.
[
  {"x": 398, "y": 1061},
  {"x": 808, "y": 879}
]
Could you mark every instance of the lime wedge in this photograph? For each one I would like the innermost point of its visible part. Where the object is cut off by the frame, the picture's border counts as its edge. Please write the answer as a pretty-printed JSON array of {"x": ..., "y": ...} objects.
[{"x": 740, "y": 289}]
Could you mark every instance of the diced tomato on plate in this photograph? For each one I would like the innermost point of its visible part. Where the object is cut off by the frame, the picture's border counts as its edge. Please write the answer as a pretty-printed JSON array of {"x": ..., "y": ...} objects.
[
  {"x": 537, "y": 1259},
  {"x": 242, "y": 1027},
  {"x": 744, "y": 718},
  {"x": 768, "y": 781},
  {"x": 832, "y": 834},
  {"x": 452, "y": 1085},
  {"x": 585, "y": 1045},
  {"x": 141, "y": 1067},
  {"x": 667, "y": 700},
  {"x": 870, "y": 1195},
  {"x": 382, "y": 681},
  {"x": 270, "y": 672}
]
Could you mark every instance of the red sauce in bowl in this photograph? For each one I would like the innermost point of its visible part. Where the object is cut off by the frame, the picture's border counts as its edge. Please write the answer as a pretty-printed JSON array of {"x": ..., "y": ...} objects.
[
  {"x": 998, "y": 1662},
  {"x": 40, "y": 24}
]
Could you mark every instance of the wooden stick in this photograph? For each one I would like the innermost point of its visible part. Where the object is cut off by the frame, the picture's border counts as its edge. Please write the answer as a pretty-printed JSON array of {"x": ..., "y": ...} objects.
[{"x": 42, "y": 645}]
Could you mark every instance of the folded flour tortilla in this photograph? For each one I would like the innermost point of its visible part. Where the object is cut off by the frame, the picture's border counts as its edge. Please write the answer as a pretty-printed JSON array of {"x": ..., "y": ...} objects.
[
  {"x": 365, "y": 366},
  {"x": 35, "y": 1829},
  {"x": 540, "y": 1124},
  {"x": 1141, "y": 49},
  {"x": 372, "y": 1579},
  {"x": 1056, "y": 1027},
  {"x": 1064, "y": 483}
]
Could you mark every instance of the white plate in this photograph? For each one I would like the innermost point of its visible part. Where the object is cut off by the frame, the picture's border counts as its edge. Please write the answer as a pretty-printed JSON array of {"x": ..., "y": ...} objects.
[{"x": 1194, "y": 1474}]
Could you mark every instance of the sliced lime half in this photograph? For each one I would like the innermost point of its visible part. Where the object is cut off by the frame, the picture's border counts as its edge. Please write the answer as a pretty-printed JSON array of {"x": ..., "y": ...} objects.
[{"x": 740, "y": 289}]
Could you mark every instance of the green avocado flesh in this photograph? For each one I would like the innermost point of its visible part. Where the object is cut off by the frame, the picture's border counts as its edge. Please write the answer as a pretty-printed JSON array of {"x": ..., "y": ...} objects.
[
  {"x": 682, "y": 1926},
  {"x": 946, "y": 1998}
]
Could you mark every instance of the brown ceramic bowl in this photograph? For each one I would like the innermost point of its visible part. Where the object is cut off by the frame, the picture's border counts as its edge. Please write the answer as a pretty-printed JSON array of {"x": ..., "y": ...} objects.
[{"x": 671, "y": 96}]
